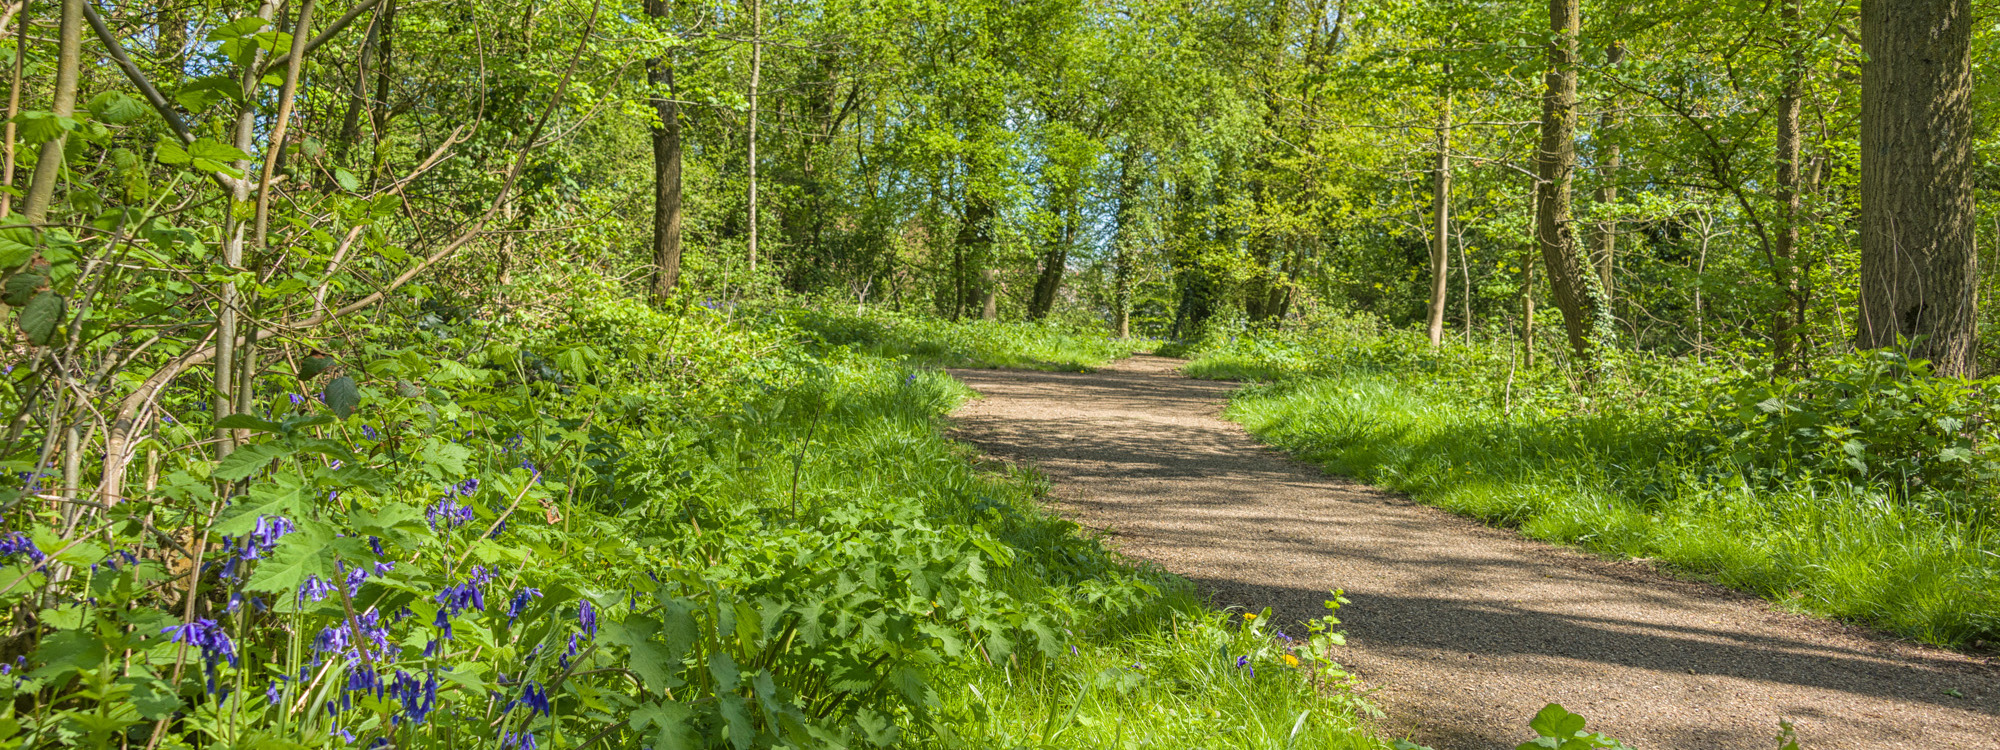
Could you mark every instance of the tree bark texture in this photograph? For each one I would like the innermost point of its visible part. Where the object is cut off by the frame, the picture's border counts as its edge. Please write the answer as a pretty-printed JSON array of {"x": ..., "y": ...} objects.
[
  {"x": 48, "y": 166},
  {"x": 1441, "y": 223},
  {"x": 756, "y": 73},
  {"x": 1123, "y": 239},
  {"x": 1918, "y": 267},
  {"x": 666, "y": 170},
  {"x": 1571, "y": 281}
]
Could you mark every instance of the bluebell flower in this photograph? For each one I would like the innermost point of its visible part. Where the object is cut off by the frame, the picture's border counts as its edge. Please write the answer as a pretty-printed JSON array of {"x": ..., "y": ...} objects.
[
  {"x": 369, "y": 432},
  {"x": 535, "y": 698},
  {"x": 467, "y": 487},
  {"x": 383, "y": 568},
  {"x": 586, "y": 614},
  {"x": 297, "y": 400},
  {"x": 449, "y": 513},
  {"x": 18, "y": 543},
  {"x": 419, "y": 699},
  {"x": 520, "y": 603},
  {"x": 375, "y": 543},
  {"x": 315, "y": 589},
  {"x": 206, "y": 635},
  {"x": 271, "y": 695},
  {"x": 1243, "y": 662}
]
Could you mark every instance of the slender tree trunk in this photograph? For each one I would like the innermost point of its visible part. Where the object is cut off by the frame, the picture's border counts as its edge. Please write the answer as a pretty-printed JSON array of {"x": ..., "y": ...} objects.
[
  {"x": 1574, "y": 284},
  {"x": 666, "y": 170},
  {"x": 357, "y": 95},
  {"x": 49, "y": 165},
  {"x": 13, "y": 108},
  {"x": 1122, "y": 239},
  {"x": 756, "y": 74},
  {"x": 1441, "y": 220},
  {"x": 1918, "y": 267},
  {"x": 385, "y": 59},
  {"x": 1604, "y": 245},
  {"x": 1789, "y": 319},
  {"x": 1528, "y": 281}
]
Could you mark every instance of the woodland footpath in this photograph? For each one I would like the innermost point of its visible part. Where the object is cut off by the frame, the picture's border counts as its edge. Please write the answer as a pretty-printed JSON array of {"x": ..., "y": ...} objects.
[{"x": 564, "y": 371}]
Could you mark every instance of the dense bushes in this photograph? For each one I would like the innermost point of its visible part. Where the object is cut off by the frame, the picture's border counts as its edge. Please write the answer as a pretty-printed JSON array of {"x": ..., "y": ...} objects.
[{"x": 1865, "y": 491}]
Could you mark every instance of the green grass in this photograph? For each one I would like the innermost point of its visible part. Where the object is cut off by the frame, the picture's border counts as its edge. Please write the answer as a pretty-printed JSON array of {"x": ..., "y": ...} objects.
[
  {"x": 1138, "y": 660},
  {"x": 931, "y": 342},
  {"x": 1615, "y": 476}
]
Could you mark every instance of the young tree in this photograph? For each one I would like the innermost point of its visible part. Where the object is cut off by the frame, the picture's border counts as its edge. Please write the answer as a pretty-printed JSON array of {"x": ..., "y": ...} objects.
[
  {"x": 1577, "y": 291},
  {"x": 666, "y": 136},
  {"x": 1918, "y": 269}
]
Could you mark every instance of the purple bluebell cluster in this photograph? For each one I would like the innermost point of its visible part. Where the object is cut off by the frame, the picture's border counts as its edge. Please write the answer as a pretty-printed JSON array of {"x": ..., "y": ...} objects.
[
  {"x": 297, "y": 400},
  {"x": 370, "y": 433},
  {"x": 256, "y": 545},
  {"x": 448, "y": 513},
  {"x": 467, "y": 487},
  {"x": 535, "y": 698},
  {"x": 519, "y": 603},
  {"x": 214, "y": 644},
  {"x": 18, "y": 544},
  {"x": 517, "y": 741},
  {"x": 419, "y": 698},
  {"x": 315, "y": 589},
  {"x": 1243, "y": 663},
  {"x": 586, "y": 615}
]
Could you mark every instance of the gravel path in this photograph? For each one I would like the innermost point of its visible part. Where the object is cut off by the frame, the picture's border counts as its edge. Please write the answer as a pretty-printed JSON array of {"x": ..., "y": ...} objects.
[{"x": 1464, "y": 630}]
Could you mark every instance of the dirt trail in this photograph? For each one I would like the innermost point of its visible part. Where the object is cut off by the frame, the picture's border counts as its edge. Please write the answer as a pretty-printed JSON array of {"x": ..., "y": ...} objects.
[{"x": 1466, "y": 630}]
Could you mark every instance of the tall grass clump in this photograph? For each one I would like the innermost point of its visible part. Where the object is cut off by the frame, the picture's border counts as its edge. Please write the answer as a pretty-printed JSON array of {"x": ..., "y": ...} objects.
[{"x": 1866, "y": 491}]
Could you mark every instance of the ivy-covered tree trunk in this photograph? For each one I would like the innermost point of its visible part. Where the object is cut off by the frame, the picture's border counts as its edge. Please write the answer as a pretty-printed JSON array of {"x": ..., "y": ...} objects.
[
  {"x": 1918, "y": 269},
  {"x": 1573, "y": 282}
]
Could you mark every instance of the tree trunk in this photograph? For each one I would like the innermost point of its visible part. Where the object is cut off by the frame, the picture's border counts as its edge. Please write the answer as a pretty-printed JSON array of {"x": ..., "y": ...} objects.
[
  {"x": 666, "y": 170},
  {"x": 48, "y": 166},
  {"x": 756, "y": 73},
  {"x": 1789, "y": 319},
  {"x": 1122, "y": 240},
  {"x": 1441, "y": 222},
  {"x": 970, "y": 251},
  {"x": 1918, "y": 267},
  {"x": 1055, "y": 260},
  {"x": 1574, "y": 285},
  {"x": 1528, "y": 282},
  {"x": 1604, "y": 245}
]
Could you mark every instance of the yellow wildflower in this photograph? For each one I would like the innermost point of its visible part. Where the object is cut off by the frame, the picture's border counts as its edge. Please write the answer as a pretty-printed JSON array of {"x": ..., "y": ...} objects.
[{"x": 1290, "y": 660}]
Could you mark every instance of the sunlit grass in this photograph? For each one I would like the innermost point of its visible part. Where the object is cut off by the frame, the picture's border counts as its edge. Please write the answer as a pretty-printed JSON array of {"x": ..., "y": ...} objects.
[{"x": 1614, "y": 484}]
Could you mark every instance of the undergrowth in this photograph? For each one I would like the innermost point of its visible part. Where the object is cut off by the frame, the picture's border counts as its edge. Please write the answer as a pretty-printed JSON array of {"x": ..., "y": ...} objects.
[
  {"x": 582, "y": 520},
  {"x": 920, "y": 340},
  {"x": 1864, "y": 492}
]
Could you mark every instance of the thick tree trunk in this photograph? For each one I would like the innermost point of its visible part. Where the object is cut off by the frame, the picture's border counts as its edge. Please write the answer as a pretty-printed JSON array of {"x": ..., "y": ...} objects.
[
  {"x": 666, "y": 171},
  {"x": 1604, "y": 236},
  {"x": 1918, "y": 268},
  {"x": 971, "y": 250},
  {"x": 1574, "y": 285},
  {"x": 1441, "y": 222},
  {"x": 1055, "y": 260},
  {"x": 1788, "y": 321}
]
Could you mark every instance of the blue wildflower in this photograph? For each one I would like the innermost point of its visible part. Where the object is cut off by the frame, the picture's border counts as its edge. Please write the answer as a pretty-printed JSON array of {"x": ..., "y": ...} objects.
[
  {"x": 586, "y": 614},
  {"x": 18, "y": 543},
  {"x": 369, "y": 432},
  {"x": 520, "y": 603},
  {"x": 535, "y": 698},
  {"x": 315, "y": 589},
  {"x": 449, "y": 513},
  {"x": 206, "y": 635},
  {"x": 467, "y": 487},
  {"x": 375, "y": 543}
]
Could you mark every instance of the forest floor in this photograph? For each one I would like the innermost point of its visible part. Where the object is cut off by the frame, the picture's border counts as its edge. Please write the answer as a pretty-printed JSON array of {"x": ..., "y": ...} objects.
[{"x": 1463, "y": 631}]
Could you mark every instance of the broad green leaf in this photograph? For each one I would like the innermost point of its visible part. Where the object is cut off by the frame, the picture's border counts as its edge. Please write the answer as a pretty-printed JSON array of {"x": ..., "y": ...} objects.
[
  {"x": 342, "y": 396},
  {"x": 668, "y": 722},
  {"x": 346, "y": 179},
  {"x": 22, "y": 287},
  {"x": 275, "y": 499},
  {"x": 306, "y": 552},
  {"x": 40, "y": 317},
  {"x": 116, "y": 108},
  {"x": 248, "y": 460}
]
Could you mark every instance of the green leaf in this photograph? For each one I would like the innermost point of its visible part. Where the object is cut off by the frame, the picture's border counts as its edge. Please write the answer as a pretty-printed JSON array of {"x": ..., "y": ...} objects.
[
  {"x": 213, "y": 151},
  {"x": 40, "y": 317},
  {"x": 311, "y": 367},
  {"x": 17, "y": 246},
  {"x": 169, "y": 151},
  {"x": 248, "y": 460},
  {"x": 301, "y": 553},
  {"x": 723, "y": 669},
  {"x": 347, "y": 180},
  {"x": 154, "y": 698},
  {"x": 22, "y": 287},
  {"x": 669, "y": 722},
  {"x": 277, "y": 499},
  {"x": 342, "y": 396},
  {"x": 1554, "y": 721},
  {"x": 653, "y": 662},
  {"x": 36, "y": 128},
  {"x": 116, "y": 108}
]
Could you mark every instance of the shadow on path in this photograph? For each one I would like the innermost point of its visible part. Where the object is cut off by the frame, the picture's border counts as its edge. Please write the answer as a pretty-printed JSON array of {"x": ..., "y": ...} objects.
[{"x": 1464, "y": 630}]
